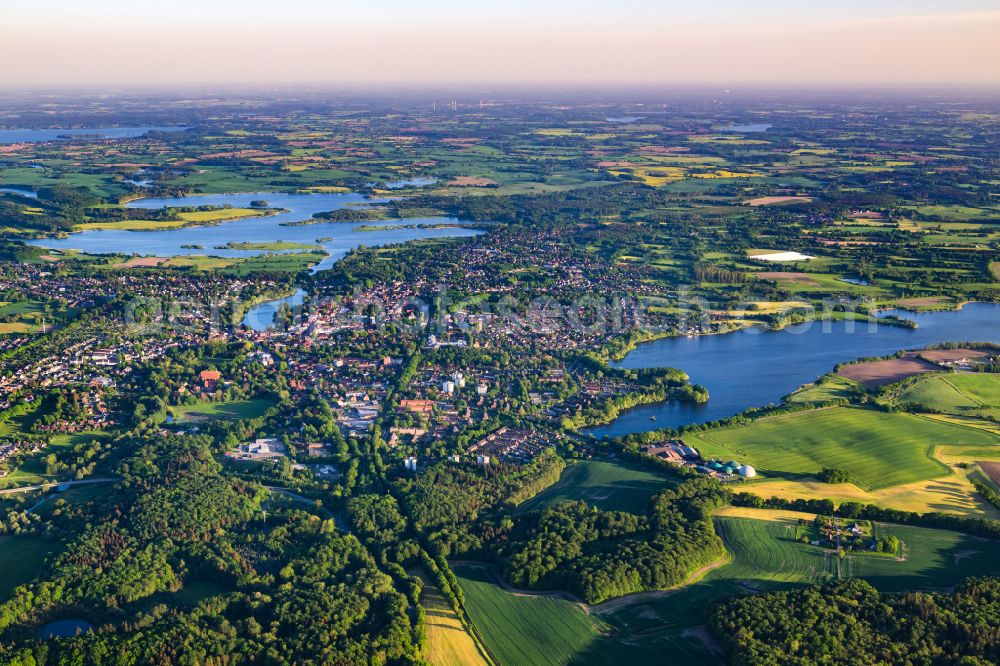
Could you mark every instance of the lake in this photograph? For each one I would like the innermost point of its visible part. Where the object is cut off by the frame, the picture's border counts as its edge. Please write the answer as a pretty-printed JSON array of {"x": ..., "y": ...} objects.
[
  {"x": 38, "y": 135},
  {"x": 64, "y": 628},
  {"x": 749, "y": 128},
  {"x": 261, "y": 317},
  {"x": 338, "y": 237},
  {"x": 20, "y": 190},
  {"x": 756, "y": 367},
  {"x": 410, "y": 182}
]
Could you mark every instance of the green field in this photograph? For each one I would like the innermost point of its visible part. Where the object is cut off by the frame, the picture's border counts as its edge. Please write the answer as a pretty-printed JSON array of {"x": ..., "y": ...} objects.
[
  {"x": 21, "y": 558},
  {"x": 291, "y": 262},
  {"x": 963, "y": 394},
  {"x": 199, "y": 262},
  {"x": 935, "y": 559},
  {"x": 448, "y": 643},
  {"x": 833, "y": 388},
  {"x": 240, "y": 409},
  {"x": 879, "y": 449},
  {"x": 523, "y": 630},
  {"x": 766, "y": 554},
  {"x": 272, "y": 246},
  {"x": 766, "y": 557},
  {"x": 526, "y": 630},
  {"x": 610, "y": 485},
  {"x": 539, "y": 630}
]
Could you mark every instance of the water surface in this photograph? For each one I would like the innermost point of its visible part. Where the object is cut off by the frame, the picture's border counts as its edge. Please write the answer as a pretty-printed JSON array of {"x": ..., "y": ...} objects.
[
  {"x": 31, "y": 194},
  {"x": 337, "y": 237},
  {"x": 410, "y": 182},
  {"x": 750, "y": 128},
  {"x": 66, "y": 628},
  {"x": 261, "y": 317},
  {"x": 756, "y": 367},
  {"x": 38, "y": 135}
]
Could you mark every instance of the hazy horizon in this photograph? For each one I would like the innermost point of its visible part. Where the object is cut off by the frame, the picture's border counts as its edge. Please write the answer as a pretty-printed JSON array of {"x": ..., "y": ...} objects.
[{"x": 59, "y": 43}]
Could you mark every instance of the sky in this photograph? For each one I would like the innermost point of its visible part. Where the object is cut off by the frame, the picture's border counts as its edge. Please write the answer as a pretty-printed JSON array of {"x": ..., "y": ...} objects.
[{"x": 515, "y": 42}]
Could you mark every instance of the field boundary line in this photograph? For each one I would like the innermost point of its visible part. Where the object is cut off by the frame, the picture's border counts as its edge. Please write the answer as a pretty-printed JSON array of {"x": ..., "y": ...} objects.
[
  {"x": 468, "y": 624},
  {"x": 960, "y": 391},
  {"x": 928, "y": 417},
  {"x": 614, "y": 603}
]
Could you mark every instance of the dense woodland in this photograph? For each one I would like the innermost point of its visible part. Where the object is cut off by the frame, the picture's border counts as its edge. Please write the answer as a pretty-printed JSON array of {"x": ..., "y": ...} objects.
[
  {"x": 849, "y": 622},
  {"x": 602, "y": 554}
]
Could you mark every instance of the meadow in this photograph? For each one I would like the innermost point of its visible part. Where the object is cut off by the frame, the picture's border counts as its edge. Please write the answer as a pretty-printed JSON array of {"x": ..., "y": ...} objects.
[
  {"x": 526, "y": 630},
  {"x": 31, "y": 471},
  {"x": 935, "y": 560},
  {"x": 609, "y": 485},
  {"x": 522, "y": 629},
  {"x": 239, "y": 409},
  {"x": 878, "y": 449},
  {"x": 962, "y": 394},
  {"x": 764, "y": 556},
  {"x": 184, "y": 219},
  {"x": 21, "y": 558},
  {"x": 832, "y": 387},
  {"x": 291, "y": 262},
  {"x": 27, "y": 316}
]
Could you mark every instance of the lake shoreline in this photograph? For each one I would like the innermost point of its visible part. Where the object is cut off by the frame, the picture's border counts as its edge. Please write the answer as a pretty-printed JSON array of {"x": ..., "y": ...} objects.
[{"x": 755, "y": 368}]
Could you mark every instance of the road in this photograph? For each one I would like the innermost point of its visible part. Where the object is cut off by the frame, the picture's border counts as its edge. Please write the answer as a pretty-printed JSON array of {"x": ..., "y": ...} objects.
[{"x": 53, "y": 484}]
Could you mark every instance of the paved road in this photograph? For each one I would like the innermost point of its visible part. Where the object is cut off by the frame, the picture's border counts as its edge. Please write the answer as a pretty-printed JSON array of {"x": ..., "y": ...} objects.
[{"x": 53, "y": 484}]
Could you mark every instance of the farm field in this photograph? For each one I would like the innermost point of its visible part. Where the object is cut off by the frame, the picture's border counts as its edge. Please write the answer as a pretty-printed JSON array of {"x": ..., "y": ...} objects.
[
  {"x": 950, "y": 494},
  {"x": 973, "y": 394},
  {"x": 935, "y": 560},
  {"x": 133, "y": 225},
  {"x": 25, "y": 317},
  {"x": 879, "y": 373},
  {"x": 199, "y": 262},
  {"x": 655, "y": 625},
  {"x": 929, "y": 562},
  {"x": 878, "y": 449},
  {"x": 219, "y": 214},
  {"x": 448, "y": 643},
  {"x": 765, "y": 557},
  {"x": 526, "y": 630},
  {"x": 834, "y": 387},
  {"x": 992, "y": 470},
  {"x": 186, "y": 218},
  {"x": 529, "y": 629},
  {"x": 291, "y": 262},
  {"x": 609, "y": 485},
  {"x": 240, "y": 409}
]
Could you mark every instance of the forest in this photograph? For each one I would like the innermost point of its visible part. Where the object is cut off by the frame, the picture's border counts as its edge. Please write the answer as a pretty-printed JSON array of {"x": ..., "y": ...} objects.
[{"x": 849, "y": 622}]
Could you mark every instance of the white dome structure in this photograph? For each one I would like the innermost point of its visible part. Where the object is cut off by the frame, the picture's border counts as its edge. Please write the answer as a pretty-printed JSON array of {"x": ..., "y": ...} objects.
[{"x": 747, "y": 472}]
